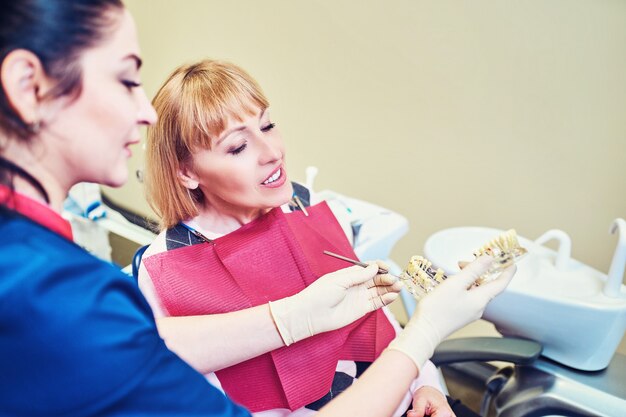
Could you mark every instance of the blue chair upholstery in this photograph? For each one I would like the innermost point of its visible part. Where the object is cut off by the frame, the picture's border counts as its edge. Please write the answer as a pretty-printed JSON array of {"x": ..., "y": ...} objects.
[{"x": 137, "y": 260}]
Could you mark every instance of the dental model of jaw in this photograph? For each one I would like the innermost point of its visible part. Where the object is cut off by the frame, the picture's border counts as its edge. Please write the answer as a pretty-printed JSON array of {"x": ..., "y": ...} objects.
[
  {"x": 505, "y": 251},
  {"x": 420, "y": 277}
]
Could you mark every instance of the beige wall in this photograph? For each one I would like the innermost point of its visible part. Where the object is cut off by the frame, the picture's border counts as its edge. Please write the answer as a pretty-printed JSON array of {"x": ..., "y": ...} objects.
[{"x": 495, "y": 113}]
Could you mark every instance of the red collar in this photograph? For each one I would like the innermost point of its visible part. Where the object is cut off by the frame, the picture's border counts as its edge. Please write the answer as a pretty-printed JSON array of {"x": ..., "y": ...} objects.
[{"x": 36, "y": 211}]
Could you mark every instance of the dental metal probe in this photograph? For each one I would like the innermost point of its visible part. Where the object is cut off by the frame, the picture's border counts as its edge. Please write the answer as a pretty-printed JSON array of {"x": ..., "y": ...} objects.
[{"x": 359, "y": 263}]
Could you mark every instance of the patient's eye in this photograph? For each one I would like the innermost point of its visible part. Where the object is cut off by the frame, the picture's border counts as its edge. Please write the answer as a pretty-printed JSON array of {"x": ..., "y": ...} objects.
[
  {"x": 268, "y": 127},
  {"x": 238, "y": 150}
]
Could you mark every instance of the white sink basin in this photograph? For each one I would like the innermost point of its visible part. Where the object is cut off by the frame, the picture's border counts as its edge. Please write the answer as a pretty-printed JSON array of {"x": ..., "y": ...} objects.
[{"x": 564, "y": 308}]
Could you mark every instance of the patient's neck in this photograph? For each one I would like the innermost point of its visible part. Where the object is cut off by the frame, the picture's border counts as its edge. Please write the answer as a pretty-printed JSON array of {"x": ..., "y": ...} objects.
[{"x": 224, "y": 220}]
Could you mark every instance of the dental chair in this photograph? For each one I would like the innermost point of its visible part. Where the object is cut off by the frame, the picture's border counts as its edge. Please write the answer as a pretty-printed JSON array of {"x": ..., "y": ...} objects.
[
  {"x": 104, "y": 228},
  {"x": 530, "y": 384}
]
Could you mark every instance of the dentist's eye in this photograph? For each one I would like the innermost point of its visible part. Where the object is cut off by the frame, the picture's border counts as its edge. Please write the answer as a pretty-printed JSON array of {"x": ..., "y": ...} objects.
[
  {"x": 268, "y": 127},
  {"x": 238, "y": 150}
]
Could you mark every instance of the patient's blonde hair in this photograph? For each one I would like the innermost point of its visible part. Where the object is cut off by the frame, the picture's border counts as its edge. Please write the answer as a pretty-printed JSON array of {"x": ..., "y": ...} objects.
[{"x": 192, "y": 107}]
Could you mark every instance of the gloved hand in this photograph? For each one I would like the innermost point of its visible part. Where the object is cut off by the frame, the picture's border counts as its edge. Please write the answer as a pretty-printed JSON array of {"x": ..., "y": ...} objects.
[
  {"x": 333, "y": 301},
  {"x": 450, "y": 306}
]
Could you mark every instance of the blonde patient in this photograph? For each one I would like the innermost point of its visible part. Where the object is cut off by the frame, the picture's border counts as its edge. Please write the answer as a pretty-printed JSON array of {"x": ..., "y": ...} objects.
[{"x": 216, "y": 162}]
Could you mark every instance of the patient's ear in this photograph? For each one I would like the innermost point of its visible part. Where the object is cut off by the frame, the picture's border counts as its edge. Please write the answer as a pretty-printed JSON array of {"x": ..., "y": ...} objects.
[{"x": 188, "y": 178}]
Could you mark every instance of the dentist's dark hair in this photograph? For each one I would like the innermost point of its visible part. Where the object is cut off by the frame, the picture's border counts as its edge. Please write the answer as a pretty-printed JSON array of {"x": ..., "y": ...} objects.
[{"x": 57, "y": 31}]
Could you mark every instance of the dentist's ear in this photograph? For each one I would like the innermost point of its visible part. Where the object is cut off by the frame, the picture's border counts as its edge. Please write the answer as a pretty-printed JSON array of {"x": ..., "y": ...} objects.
[
  {"x": 22, "y": 76},
  {"x": 27, "y": 88}
]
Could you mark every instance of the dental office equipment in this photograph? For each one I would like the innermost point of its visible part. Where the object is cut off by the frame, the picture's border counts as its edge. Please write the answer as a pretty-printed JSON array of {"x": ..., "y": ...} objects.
[
  {"x": 96, "y": 223},
  {"x": 577, "y": 313},
  {"x": 526, "y": 308},
  {"x": 613, "y": 285}
]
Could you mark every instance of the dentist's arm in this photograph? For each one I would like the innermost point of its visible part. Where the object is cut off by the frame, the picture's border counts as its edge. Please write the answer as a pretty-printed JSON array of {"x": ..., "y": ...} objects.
[
  {"x": 449, "y": 307},
  {"x": 212, "y": 342}
]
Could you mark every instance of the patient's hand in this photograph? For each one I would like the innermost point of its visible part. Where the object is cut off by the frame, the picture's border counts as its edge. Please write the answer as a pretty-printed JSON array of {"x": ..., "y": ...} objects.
[
  {"x": 333, "y": 301},
  {"x": 428, "y": 401}
]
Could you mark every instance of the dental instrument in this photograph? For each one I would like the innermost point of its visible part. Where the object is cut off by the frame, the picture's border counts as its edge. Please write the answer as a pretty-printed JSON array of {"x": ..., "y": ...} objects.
[{"x": 359, "y": 263}]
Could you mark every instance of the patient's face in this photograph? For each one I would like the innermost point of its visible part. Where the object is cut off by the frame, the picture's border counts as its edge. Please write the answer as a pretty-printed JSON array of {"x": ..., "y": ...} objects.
[{"x": 244, "y": 170}]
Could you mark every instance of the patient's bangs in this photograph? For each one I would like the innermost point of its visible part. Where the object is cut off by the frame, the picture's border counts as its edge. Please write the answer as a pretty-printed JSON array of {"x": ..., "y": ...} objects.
[{"x": 236, "y": 103}]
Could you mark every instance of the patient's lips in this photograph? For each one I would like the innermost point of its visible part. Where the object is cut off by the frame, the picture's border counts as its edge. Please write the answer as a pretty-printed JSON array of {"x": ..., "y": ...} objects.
[{"x": 276, "y": 179}]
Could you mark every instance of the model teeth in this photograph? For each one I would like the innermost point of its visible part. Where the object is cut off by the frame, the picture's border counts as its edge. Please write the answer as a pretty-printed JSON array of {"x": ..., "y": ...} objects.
[
  {"x": 505, "y": 245},
  {"x": 273, "y": 177}
]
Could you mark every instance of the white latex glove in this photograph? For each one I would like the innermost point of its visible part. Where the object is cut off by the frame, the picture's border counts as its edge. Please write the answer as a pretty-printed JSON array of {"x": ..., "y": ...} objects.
[
  {"x": 333, "y": 301},
  {"x": 450, "y": 306}
]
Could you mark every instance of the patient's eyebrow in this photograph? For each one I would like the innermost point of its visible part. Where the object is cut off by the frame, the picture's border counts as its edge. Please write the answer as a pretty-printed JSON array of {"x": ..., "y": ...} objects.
[{"x": 228, "y": 133}]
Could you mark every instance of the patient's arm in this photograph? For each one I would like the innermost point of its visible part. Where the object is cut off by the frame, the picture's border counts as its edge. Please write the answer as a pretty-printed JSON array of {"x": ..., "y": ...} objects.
[
  {"x": 381, "y": 387},
  {"x": 212, "y": 342},
  {"x": 378, "y": 391}
]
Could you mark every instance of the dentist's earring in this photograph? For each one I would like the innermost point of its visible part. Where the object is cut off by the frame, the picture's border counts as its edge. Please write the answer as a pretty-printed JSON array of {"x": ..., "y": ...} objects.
[{"x": 34, "y": 127}]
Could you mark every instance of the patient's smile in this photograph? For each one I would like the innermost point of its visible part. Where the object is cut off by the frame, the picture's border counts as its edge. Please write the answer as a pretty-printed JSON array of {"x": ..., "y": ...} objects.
[{"x": 276, "y": 179}]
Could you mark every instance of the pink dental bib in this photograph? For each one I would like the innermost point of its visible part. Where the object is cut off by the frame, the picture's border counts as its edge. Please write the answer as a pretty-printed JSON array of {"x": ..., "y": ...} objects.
[{"x": 270, "y": 258}]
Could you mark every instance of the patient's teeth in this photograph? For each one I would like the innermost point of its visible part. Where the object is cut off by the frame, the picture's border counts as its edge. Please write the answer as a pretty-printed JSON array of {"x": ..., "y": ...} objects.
[{"x": 273, "y": 177}]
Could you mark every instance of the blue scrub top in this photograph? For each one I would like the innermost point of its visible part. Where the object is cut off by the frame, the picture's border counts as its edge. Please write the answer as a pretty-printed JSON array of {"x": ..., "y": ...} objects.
[{"x": 77, "y": 337}]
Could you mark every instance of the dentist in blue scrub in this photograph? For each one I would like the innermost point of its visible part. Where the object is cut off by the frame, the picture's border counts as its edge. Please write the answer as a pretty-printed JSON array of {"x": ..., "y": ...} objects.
[{"x": 76, "y": 336}]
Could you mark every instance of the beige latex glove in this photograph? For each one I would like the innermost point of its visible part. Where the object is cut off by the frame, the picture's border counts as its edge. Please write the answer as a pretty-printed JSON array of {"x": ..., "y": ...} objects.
[
  {"x": 447, "y": 308},
  {"x": 333, "y": 301}
]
